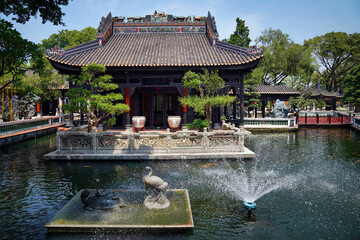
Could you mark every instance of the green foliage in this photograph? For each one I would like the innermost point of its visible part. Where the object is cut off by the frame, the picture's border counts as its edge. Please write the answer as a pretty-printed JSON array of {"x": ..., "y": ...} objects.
[
  {"x": 208, "y": 84},
  {"x": 79, "y": 100},
  {"x": 69, "y": 38},
  {"x": 303, "y": 102},
  {"x": 352, "y": 87},
  {"x": 22, "y": 10},
  {"x": 198, "y": 124},
  {"x": 44, "y": 84},
  {"x": 94, "y": 95},
  {"x": 109, "y": 123},
  {"x": 241, "y": 35},
  {"x": 14, "y": 53},
  {"x": 337, "y": 53},
  {"x": 251, "y": 96},
  {"x": 282, "y": 58}
]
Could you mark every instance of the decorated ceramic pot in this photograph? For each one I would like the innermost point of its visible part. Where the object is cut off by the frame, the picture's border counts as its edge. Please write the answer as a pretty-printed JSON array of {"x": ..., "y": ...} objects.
[
  {"x": 174, "y": 121},
  {"x": 138, "y": 121}
]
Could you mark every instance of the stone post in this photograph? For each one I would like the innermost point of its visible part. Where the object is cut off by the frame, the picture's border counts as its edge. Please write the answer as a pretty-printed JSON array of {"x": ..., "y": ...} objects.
[
  {"x": 242, "y": 138},
  {"x": 94, "y": 141},
  {"x": 58, "y": 142},
  {"x": 205, "y": 139},
  {"x": 131, "y": 142},
  {"x": 168, "y": 140}
]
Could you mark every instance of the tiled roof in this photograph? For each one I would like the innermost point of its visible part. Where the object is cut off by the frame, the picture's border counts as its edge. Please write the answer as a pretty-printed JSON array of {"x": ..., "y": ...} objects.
[
  {"x": 318, "y": 91},
  {"x": 155, "y": 49},
  {"x": 275, "y": 89}
]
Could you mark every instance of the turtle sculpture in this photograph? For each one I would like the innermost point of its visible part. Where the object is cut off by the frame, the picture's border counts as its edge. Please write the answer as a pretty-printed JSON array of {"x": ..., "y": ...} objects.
[
  {"x": 155, "y": 188},
  {"x": 102, "y": 199}
]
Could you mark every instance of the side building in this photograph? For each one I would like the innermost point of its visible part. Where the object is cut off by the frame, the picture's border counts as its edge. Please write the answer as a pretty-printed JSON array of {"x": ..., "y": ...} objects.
[{"x": 148, "y": 56}]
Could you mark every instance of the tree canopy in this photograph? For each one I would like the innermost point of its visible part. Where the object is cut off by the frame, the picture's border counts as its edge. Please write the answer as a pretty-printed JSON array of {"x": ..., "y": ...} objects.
[
  {"x": 14, "y": 53},
  {"x": 352, "y": 87},
  {"x": 241, "y": 35},
  {"x": 282, "y": 58},
  {"x": 69, "y": 38},
  {"x": 337, "y": 53},
  {"x": 95, "y": 94},
  {"x": 23, "y": 10},
  {"x": 44, "y": 83}
]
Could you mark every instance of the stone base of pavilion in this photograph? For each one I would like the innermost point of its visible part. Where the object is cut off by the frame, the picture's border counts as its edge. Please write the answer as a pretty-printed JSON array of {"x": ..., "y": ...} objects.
[
  {"x": 150, "y": 156},
  {"x": 151, "y": 145}
]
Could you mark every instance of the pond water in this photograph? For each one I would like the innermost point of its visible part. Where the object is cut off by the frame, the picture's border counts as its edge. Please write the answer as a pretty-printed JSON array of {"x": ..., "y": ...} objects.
[{"x": 306, "y": 186}]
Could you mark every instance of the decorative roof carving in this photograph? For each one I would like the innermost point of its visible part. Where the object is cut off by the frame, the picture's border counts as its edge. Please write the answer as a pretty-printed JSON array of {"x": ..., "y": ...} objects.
[
  {"x": 104, "y": 25},
  {"x": 55, "y": 51}
]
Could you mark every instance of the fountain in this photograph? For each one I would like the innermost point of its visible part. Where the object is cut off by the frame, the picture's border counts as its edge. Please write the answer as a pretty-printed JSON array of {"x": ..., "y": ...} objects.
[
  {"x": 249, "y": 206},
  {"x": 248, "y": 184},
  {"x": 92, "y": 209}
]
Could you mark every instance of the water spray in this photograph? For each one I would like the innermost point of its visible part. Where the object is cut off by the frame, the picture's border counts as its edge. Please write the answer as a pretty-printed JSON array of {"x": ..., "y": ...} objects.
[{"x": 249, "y": 206}]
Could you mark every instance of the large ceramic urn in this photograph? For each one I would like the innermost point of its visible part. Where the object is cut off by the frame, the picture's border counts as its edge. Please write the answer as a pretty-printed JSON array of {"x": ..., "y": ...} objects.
[
  {"x": 174, "y": 122},
  {"x": 139, "y": 122}
]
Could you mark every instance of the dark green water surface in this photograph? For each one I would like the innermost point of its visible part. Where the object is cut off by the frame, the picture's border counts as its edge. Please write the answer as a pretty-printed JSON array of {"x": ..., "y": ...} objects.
[{"x": 320, "y": 200}]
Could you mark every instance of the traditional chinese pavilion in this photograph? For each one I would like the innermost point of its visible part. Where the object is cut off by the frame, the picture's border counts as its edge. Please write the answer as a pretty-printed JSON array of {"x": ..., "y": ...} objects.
[
  {"x": 330, "y": 98},
  {"x": 148, "y": 56}
]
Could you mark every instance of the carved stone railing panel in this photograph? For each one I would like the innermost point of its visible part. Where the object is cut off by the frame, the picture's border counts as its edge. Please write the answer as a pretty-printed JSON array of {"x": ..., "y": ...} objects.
[
  {"x": 149, "y": 143},
  {"x": 190, "y": 141},
  {"x": 227, "y": 141},
  {"x": 112, "y": 143},
  {"x": 76, "y": 143}
]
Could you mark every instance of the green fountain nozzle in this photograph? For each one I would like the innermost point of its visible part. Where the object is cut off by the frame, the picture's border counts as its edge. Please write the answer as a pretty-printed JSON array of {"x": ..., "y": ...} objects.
[{"x": 249, "y": 206}]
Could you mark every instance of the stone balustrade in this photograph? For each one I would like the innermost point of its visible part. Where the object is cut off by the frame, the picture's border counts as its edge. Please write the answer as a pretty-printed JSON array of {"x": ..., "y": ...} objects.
[{"x": 149, "y": 142}]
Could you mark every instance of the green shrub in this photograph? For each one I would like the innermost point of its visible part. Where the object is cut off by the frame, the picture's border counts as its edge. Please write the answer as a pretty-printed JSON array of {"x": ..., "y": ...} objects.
[{"x": 198, "y": 124}]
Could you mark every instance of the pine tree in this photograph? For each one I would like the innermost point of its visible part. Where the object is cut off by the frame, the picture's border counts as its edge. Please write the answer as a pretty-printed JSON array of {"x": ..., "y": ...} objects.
[{"x": 95, "y": 95}]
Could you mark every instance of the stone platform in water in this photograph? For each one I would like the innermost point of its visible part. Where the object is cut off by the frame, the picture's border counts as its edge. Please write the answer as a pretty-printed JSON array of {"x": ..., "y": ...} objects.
[
  {"x": 119, "y": 155},
  {"x": 133, "y": 217}
]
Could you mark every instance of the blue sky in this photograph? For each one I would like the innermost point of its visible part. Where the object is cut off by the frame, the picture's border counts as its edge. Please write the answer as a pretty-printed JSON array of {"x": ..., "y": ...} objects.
[{"x": 302, "y": 19}]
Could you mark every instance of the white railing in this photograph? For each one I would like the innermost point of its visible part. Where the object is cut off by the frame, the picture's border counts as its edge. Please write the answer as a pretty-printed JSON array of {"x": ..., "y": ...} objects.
[{"x": 269, "y": 122}]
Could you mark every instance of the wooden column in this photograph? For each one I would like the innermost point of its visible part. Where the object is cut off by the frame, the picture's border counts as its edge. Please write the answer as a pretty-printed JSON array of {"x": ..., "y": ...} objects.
[
  {"x": 263, "y": 105},
  {"x": 127, "y": 102},
  {"x": 165, "y": 110},
  {"x": 234, "y": 106},
  {"x": 241, "y": 93},
  {"x": 184, "y": 119}
]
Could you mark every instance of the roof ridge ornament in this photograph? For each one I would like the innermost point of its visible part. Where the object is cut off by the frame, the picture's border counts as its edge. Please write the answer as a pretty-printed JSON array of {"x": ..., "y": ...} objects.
[
  {"x": 56, "y": 50},
  {"x": 255, "y": 50}
]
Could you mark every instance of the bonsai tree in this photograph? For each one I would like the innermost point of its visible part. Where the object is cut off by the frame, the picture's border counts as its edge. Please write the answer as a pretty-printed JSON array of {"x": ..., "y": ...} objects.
[
  {"x": 251, "y": 96},
  {"x": 95, "y": 96},
  {"x": 207, "y": 84}
]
